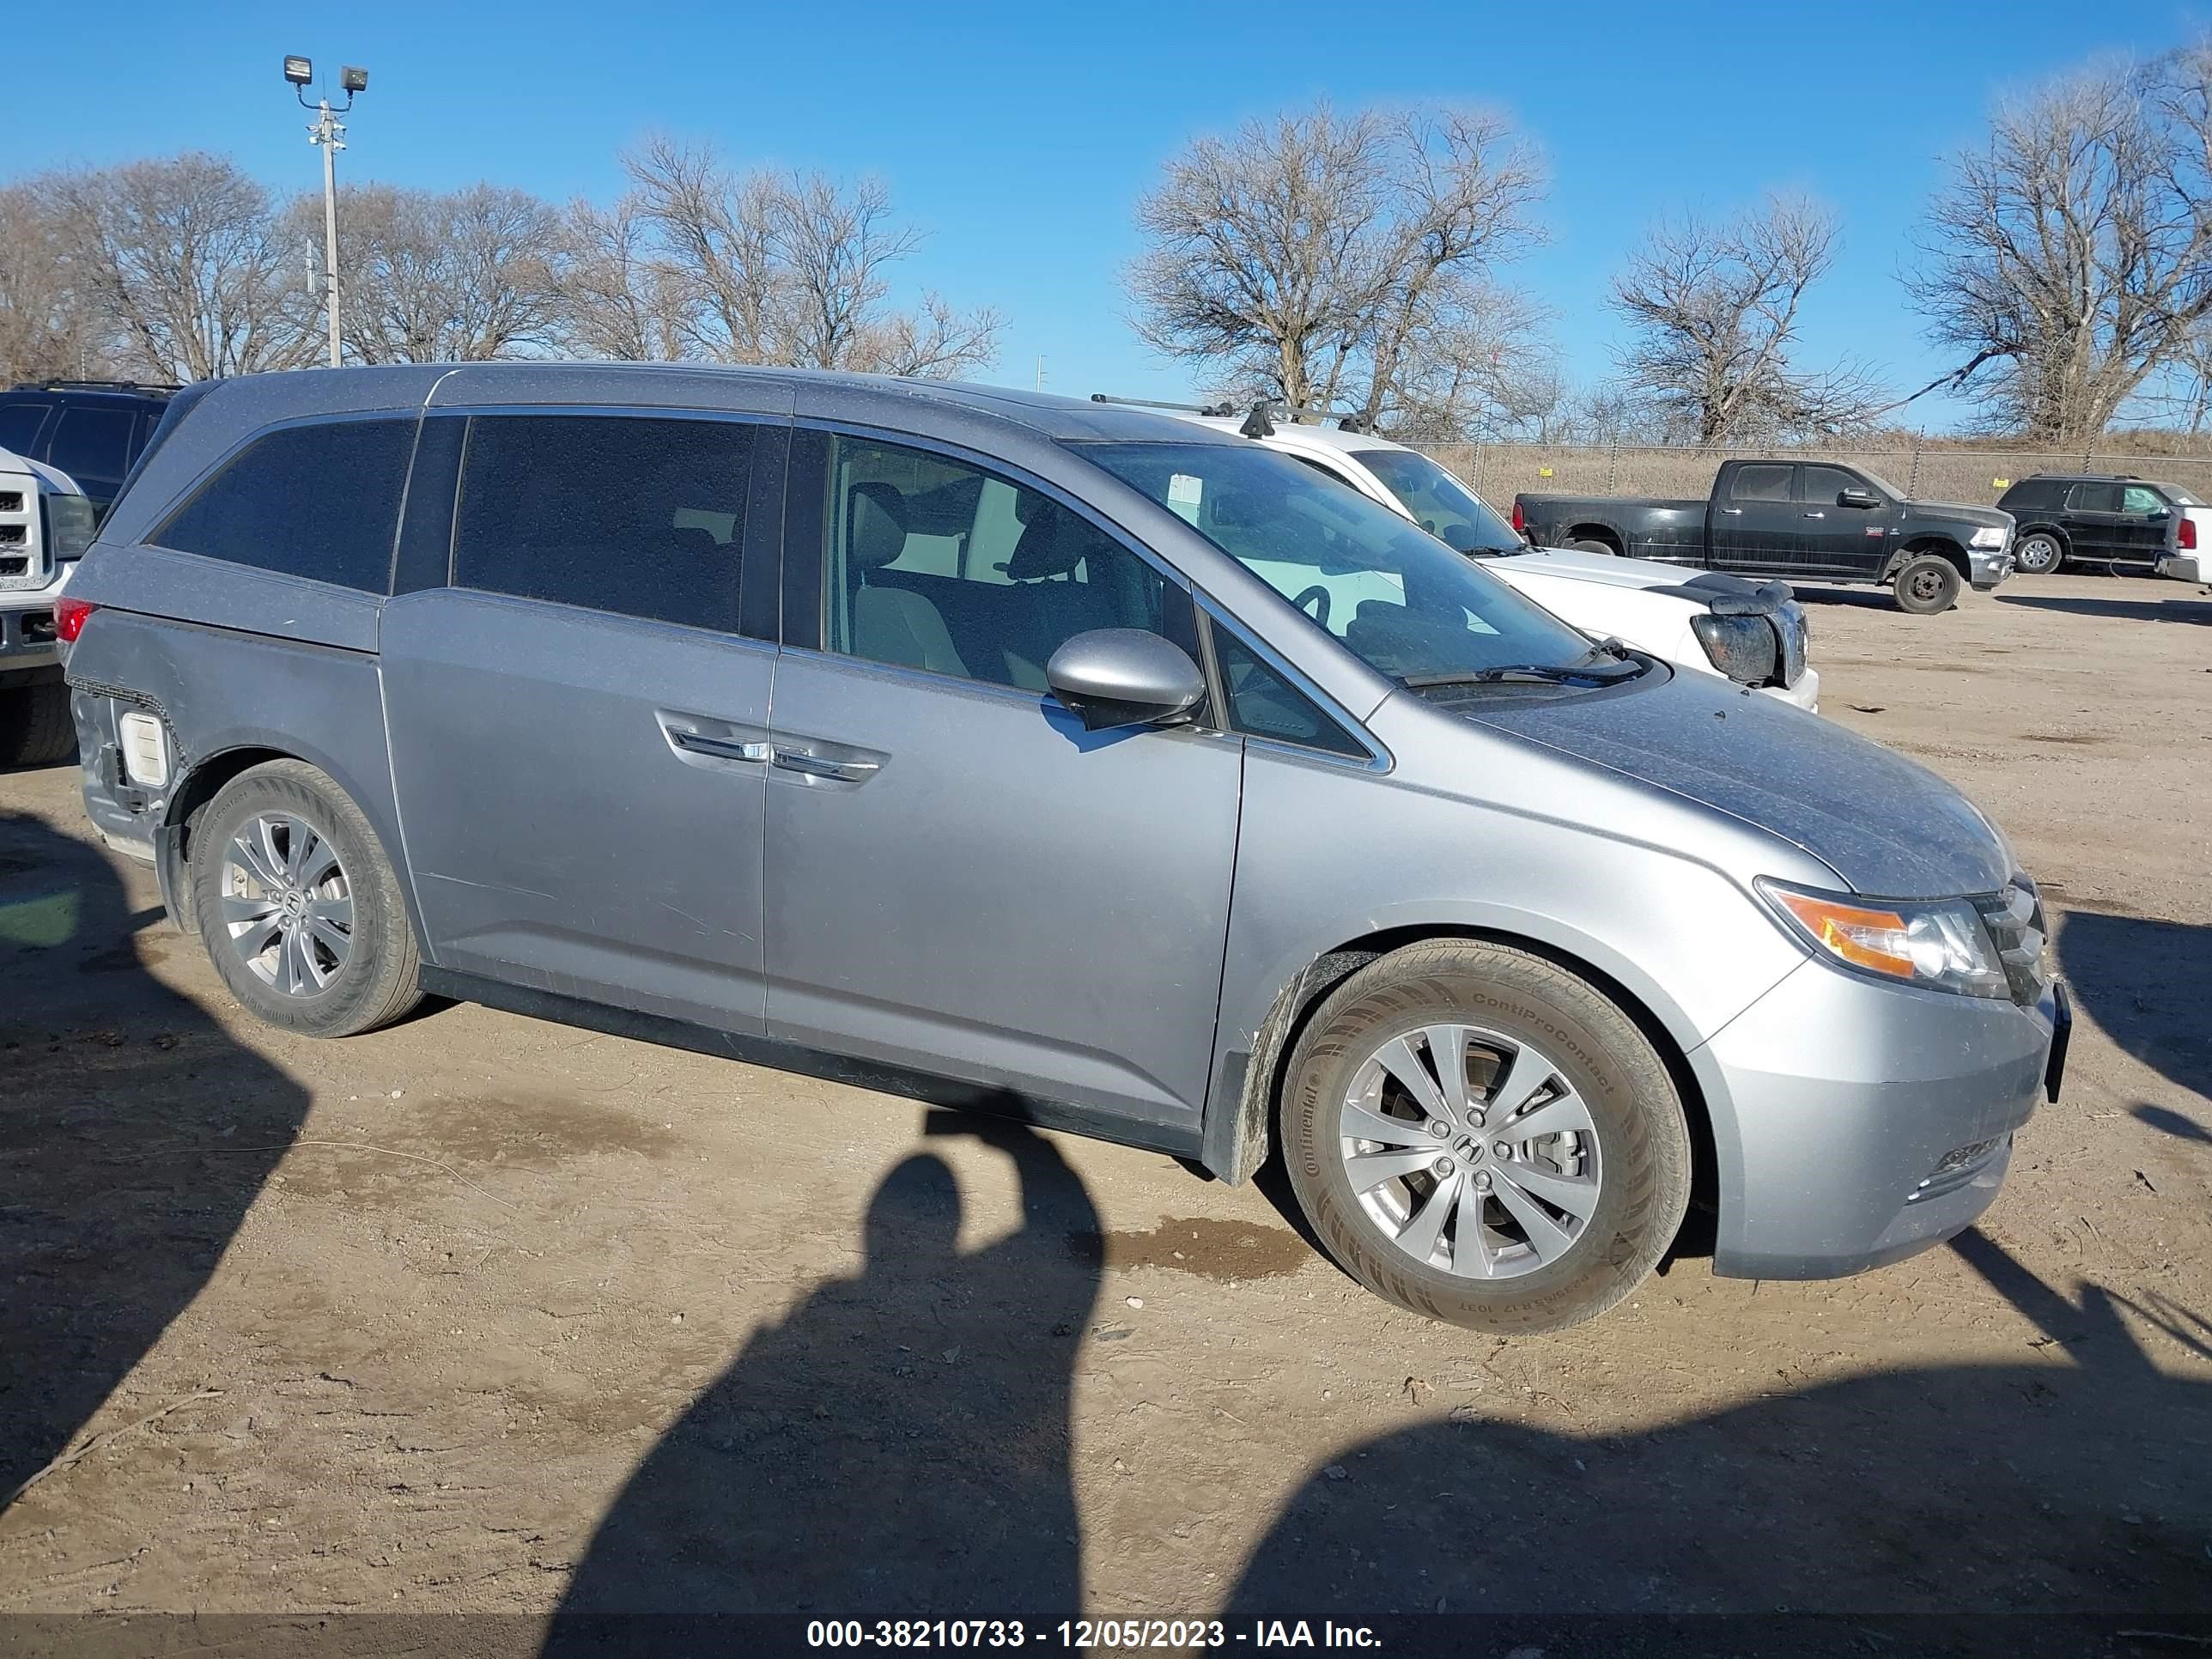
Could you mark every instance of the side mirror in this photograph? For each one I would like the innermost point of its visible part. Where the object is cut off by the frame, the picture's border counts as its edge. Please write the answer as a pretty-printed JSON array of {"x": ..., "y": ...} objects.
[
  {"x": 2159, "y": 513},
  {"x": 1855, "y": 496},
  {"x": 1115, "y": 676}
]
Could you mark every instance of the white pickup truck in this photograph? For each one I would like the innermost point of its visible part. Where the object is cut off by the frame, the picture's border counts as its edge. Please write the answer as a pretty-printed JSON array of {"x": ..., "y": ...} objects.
[
  {"x": 1704, "y": 622},
  {"x": 45, "y": 523}
]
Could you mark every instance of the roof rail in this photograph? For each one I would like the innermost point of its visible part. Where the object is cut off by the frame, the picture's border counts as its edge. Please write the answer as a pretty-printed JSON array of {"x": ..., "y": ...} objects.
[
  {"x": 95, "y": 386},
  {"x": 1260, "y": 416}
]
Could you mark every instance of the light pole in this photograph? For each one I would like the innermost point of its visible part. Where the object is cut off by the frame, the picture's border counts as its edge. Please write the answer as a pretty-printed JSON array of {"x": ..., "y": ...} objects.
[{"x": 328, "y": 131}]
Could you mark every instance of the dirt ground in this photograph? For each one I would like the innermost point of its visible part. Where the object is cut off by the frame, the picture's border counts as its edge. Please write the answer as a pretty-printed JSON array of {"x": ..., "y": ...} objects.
[{"x": 486, "y": 1316}]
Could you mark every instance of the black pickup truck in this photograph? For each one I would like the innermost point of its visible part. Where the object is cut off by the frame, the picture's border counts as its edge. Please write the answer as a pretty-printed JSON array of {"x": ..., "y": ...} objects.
[{"x": 1802, "y": 521}]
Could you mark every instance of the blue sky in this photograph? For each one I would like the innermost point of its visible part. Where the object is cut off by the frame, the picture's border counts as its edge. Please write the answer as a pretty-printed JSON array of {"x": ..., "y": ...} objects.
[{"x": 1020, "y": 136}]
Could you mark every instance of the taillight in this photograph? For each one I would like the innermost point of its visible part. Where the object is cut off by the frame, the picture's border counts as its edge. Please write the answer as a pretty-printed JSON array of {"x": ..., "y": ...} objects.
[
  {"x": 1520, "y": 525},
  {"x": 69, "y": 617},
  {"x": 2186, "y": 534}
]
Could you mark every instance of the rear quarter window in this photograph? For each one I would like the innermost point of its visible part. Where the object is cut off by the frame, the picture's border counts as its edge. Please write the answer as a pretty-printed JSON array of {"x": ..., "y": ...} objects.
[
  {"x": 321, "y": 502},
  {"x": 2036, "y": 494}
]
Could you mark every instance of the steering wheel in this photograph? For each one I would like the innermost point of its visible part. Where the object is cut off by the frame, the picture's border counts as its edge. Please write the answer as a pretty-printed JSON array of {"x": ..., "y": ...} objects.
[{"x": 1317, "y": 597}]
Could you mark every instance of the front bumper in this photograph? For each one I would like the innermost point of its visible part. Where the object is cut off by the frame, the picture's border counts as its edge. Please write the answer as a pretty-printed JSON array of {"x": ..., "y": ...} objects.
[
  {"x": 1805, "y": 694},
  {"x": 1988, "y": 566},
  {"x": 2182, "y": 568},
  {"x": 1856, "y": 1123},
  {"x": 27, "y": 639}
]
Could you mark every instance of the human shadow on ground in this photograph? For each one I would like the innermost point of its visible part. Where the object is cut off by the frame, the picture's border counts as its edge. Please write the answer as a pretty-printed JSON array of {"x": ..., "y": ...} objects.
[
  {"x": 2142, "y": 980},
  {"x": 134, "y": 1135},
  {"x": 1988, "y": 1502},
  {"x": 900, "y": 1442}
]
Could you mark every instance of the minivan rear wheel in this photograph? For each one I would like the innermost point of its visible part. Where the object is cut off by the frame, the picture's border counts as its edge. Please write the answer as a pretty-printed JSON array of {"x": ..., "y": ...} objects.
[
  {"x": 1481, "y": 1136},
  {"x": 298, "y": 907}
]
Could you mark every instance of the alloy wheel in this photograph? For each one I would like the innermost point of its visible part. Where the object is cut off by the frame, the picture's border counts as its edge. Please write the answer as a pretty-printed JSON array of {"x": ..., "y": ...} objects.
[
  {"x": 1471, "y": 1150},
  {"x": 287, "y": 903}
]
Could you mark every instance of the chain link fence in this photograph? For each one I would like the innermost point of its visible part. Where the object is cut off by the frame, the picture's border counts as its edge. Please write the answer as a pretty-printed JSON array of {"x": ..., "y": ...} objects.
[{"x": 1926, "y": 473}]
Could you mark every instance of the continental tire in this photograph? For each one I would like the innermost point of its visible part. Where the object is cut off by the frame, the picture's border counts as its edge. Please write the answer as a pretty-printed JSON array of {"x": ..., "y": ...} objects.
[{"x": 1535, "y": 1196}]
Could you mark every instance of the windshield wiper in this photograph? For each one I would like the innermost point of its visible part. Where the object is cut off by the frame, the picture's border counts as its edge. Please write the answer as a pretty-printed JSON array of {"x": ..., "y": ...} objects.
[
  {"x": 1524, "y": 673},
  {"x": 1538, "y": 673}
]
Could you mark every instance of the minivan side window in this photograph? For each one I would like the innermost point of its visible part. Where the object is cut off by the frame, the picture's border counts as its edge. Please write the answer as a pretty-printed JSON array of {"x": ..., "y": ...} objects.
[
  {"x": 930, "y": 563},
  {"x": 639, "y": 516},
  {"x": 1760, "y": 483},
  {"x": 320, "y": 501}
]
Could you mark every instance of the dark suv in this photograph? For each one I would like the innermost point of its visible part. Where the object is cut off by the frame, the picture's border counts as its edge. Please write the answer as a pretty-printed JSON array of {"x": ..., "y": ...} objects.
[
  {"x": 91, "y": 430},
  {"x": 2098, "y": 518}
]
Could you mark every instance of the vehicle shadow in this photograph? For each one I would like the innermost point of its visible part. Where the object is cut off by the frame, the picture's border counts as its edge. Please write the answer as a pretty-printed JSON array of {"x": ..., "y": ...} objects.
[
  {"x": 2026, "y": 1489},
  {"x": 899, "y": 1444},
  {"x": 2139, "y": 978},
  {"x": 130, "y": 1151},
  {"x": 2175, "y": 610}
]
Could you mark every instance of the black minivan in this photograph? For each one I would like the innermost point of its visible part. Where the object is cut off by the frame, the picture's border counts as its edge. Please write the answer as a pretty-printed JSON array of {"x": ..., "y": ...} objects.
[{"x": 2098, "y": 519}]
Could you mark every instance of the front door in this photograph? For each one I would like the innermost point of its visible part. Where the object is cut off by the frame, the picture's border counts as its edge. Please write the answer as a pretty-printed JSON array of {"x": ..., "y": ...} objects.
[
  {"x": 1755, "y": 525},
  {"x": 961, "y": 878},
  {"x": 1840, "y": 540},
  {"x": 578, "y": 733}
]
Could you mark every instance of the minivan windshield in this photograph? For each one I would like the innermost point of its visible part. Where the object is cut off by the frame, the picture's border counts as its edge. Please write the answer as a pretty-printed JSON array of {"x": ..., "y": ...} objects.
[
  {"x": 1399, "y": 600},
  {"x": 1440, "y": 503}
]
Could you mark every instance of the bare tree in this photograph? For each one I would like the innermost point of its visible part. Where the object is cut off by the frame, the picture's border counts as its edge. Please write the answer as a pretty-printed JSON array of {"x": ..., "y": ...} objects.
[
  {"x": 187, "y": 266},
  {"x": 1714, "y": 307},
  {"x": 443, "y": 278},
  {"x": 1337, "y": 259},
  {"x": 2072, "y": 251},
  {"x": 621, "y": 297},
  {"x": 44, "y": 329},
  {"x": 794, "y": 269}
]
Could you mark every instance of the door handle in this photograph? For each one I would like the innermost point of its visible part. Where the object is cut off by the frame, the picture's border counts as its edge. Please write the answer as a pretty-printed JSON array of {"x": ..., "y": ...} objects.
[
  {"x": 705, "y": 743},
  {"x": 822, "y": 766},
  {"x": 1816, "y": 515},
  {"x": 1732, "y": 512}
]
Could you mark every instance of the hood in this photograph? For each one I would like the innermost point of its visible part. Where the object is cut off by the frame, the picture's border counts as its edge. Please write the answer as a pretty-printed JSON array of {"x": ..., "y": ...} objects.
[
  {"x": 1571, "y": 564},
  {"x": 1959, "y": 513},
  {"x": 1889, "y": 827}
]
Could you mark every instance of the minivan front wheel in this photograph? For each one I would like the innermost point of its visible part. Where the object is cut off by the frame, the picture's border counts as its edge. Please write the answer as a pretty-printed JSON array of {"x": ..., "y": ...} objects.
[
  {"x": 298, "y": 907},
  {"x": 1480, "y": 1135}
]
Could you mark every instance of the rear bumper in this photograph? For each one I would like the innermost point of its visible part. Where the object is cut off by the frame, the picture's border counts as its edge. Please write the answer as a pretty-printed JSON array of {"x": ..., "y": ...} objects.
[
  {"x": 1987, "y": 567},
  {"x": 1856, "y": 1124},
  {"x": 2183, "y": 567}
]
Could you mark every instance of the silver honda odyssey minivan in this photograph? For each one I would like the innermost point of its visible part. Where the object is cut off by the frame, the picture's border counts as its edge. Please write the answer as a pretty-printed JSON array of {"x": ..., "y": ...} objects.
[{"x": 1057, "y": 759}]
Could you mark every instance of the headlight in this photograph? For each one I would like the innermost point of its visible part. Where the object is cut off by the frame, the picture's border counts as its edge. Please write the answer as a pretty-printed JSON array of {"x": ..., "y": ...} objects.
[
  {"x": 69, "y": 525},
  {"x": 1742, "y": 648},
  {"x": 1941, "y": 944},
  {"x": 1989, "y": 536}
]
